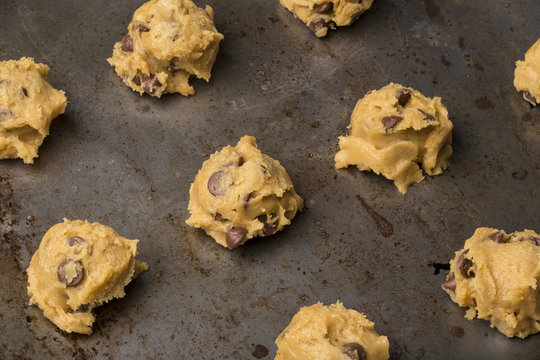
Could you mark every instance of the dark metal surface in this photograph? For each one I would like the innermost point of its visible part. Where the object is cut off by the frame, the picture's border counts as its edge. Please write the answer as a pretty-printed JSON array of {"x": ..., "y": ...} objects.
[{"x": 127, "y": 161}]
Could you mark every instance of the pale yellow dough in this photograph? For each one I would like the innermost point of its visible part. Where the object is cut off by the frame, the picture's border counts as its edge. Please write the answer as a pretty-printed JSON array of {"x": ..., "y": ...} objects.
[
  {"x": 167, "y": 42},
  {"x": 240, "y": 193},
  {"x": 417, "y": 130},
  {"x": 319, "y": 15},
  {"x": 28, "y": 104},
  {"x": 323, "y": 332},
  {"x": 497, "y": 276},
  {"x": 104, "y": 261},
  {"x": 527, "y": 75}
]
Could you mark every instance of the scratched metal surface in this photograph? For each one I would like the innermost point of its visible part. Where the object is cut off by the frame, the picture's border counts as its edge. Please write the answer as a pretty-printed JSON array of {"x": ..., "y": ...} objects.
[{"x": 127, "y": 161}]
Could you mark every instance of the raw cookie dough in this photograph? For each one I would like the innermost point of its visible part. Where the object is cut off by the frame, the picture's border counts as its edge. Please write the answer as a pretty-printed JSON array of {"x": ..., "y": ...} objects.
[
  {"x": 527, "y": 75},
  {"x": 497, "y": 276},
  {"x": 240, "y": 193},
  {"x": 330, "y": 333},
  {"x": 167, "y": 42},
  {"x": 79, "y": 266},
  {"x": 392, "y": 130},
  {"x": 319, "y": 15},
  {"x": 28, "y": 104}
]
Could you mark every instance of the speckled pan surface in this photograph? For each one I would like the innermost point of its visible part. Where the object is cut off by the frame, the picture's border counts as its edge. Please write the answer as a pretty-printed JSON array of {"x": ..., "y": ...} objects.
[{"x": 127, "y": 161}]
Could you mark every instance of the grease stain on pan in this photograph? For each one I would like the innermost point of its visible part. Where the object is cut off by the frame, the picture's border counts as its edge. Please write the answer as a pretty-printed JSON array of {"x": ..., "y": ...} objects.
[{"x": 384, "y": 226}]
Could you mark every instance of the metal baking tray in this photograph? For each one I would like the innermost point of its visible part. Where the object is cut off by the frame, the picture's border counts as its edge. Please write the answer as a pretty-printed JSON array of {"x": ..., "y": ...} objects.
[{"x": 127, "y": 161}]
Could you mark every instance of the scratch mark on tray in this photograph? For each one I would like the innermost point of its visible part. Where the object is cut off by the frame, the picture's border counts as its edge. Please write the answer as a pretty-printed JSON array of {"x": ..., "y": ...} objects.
[{"x": 384, "y": 226}]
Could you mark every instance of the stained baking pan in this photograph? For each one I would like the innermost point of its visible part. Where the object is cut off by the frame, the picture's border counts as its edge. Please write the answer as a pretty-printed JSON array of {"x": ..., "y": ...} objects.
[{"x": 127, "y": 161}]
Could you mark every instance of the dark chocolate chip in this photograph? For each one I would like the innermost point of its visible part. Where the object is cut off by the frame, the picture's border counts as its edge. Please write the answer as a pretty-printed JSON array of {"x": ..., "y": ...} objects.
[
  {"x": 497, "y": 237},
  {"x": 465, "y": 265},
  {"x": 450, "y": 282},
  {"x": 530, "y": 98},
  {"x": 24, "y": 91},
  {"x": 137, "y": 80},
  {"x": 427, "y": 116},
  {"x": 214, "y": 184},
  {"x": 403, "y": 96},
  {"x": 270, "y": 228},
  {"x": 240, "y": 161},
  {"x": 219, "y": 217},
  {"x": 354, "y": 351},
  {"x": 81, "y": 309},
  {"x": 142, "y": 28},
  {"x": 235, "y": 236},
  {"x": 390, "y": 121},
  {"x": 317, "y": 24},
  {"x": 151, "y": 84},
  {"x": 127, "y": 43},
  {"x": 535, "y": 240},
  {"x": 323, "y": 8},
  {"x": 79, "y": 272},
  {"x": 249, "y": 196},
  {"x": 76, "y": 241}
]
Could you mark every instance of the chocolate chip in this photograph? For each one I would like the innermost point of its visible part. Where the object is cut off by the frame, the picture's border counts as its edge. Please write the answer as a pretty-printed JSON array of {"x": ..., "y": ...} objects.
[
  {"x": 240, "y": 161},
  {"x": 403, "y": 96},
  {"x": 24, "y": 91},
  {"x": 269, "y": 227},
  {"x": 317, "y": 24},
  {"x": 530, "y": 98},
  {"x": 535, "y": 240},
  {"x": 249, "y": 196},
  {"x": 323, "y": 8},
  {"x": 219, "y": 217},
  {"x": 127, "y": 43},
  {"x": 427, "y": 116},
  {"x": 137, "y": 80},
  {"x": 76, "y": 241},
  {"x": 465, "y": 265},
  {"x": 214, "y": 183},
  {"x": 70, "y": 265},
  {"x": 354, "y": 351},
  {"x": 151, "y": 84},
  {"x": 390, "y": 121},
  {"x": 450, "y": 282},
  {"x": 235, "y": 236},
  {"x": 497, "y": 237},
  {"x": 142, "y": 28},
  {"x": 81, "y": 309}
]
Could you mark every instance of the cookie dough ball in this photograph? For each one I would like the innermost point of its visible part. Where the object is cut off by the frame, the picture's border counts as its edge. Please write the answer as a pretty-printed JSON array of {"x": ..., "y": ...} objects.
[
  {"x": 28, "y": 104},
  {"x": 79, "y": 266},
  {"x": 497, "y": 276},
  {"x": 330, "y": 333},
  {"x": 240, "y": 193},
  {"x": 392, "y": 130},
  {"x": 527, "y": 75},
  {"x": 167, "y": 42},
  {"x": 319, "y": 15}
]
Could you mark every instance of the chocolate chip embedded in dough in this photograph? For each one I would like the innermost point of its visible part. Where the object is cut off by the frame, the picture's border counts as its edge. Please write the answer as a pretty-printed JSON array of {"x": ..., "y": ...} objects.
[
  {"x": 75, "y": 241},
  {"x": 219, "y": 217},
  {"x": 390, "y": 121},
  {"x": 465, "y": 265},
  {"x": 215, "y": 183},
  {"x": 427, "y": 116},
  {"x": 240, "y": 161},
  {"x": 317, "y": 24},
  {"x": 403, "y": 96},
  {"x": 530, "y": 98},
  {"x": 450, "y": 283},
  {"x": 137, "y": 80},
  {"x": 127, "y": 43},
  {"x": 354, "y": 351},
  {"x": 535, "y": 240},
  {"x": 235, "y": 236},
  {"x": 142, "y": 28},
  {"x": 323, "y": 8},
  {"x": 497, "y": 237},
  {"x": 69, "y": 265},
  {"x": 151, "y": 84},
  {"x": 269, "y": 228},
  {"x": 24, "y": 91}
]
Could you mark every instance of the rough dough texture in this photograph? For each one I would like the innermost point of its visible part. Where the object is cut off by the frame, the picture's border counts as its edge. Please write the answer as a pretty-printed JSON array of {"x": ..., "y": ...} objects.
[
  {"x": 527, "y": 75},
  {"x": 330, "y": 333},
  {"x": 79, "y": 266},
  {"x": 319, "y": 15},
  {"x": 240, "y": 193},
  {"x": 392, "y": 130},
  {"x": 167, "y": 42},
  {"x": 497, "y": 276},
  {"x": 28, "y": 104}
]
